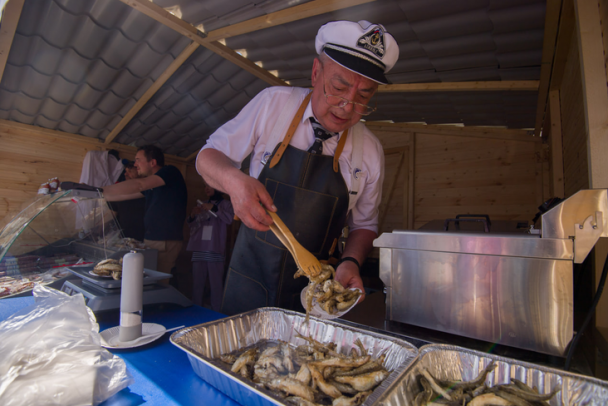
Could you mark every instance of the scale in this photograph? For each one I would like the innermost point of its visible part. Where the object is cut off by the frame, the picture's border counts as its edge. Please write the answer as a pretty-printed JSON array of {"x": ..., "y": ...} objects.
[{"x": 102, "y": 294}]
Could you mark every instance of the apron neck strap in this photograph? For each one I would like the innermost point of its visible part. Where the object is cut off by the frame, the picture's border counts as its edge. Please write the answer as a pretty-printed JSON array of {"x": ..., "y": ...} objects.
[
  {"x": 291, "y": 131},
  {"x": 339, "y": 149}
]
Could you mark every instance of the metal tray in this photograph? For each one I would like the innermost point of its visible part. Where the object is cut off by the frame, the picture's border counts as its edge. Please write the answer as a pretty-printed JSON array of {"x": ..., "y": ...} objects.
[
  {"x": 150, "y": 277},
  {"x": 455, "y": 363},
  {"x": 206, "y": 342}
]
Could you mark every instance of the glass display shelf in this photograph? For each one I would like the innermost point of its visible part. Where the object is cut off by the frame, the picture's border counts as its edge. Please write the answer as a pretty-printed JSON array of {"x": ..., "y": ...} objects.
[{"x": 53, "y": 231}]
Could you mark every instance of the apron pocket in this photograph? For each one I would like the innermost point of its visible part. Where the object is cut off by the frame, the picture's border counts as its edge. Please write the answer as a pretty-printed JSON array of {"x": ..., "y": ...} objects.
[
  {"x": 242, "y": 294},
  {"x": 306, "y": 213}
]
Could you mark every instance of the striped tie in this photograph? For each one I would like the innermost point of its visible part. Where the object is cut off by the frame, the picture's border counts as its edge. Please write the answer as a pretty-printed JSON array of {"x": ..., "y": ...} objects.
[{"x": 321, "y": 134}]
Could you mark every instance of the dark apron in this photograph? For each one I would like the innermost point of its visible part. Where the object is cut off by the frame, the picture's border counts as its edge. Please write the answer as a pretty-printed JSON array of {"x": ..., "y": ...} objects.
[{"x": 312, "y": 200}]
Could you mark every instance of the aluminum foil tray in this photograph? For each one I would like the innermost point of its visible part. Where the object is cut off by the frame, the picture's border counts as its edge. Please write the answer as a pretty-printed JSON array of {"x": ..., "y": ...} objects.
[
  {"x": 456, "y": 363},
  {"x": 204, "y": 343}
]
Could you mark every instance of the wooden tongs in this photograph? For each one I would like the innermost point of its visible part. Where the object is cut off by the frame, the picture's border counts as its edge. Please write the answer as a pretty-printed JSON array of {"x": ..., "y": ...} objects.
[{"x": 307, "y": 262}]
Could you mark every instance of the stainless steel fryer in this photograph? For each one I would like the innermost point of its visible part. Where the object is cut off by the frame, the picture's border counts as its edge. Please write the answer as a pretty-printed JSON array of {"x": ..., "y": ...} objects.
[{"x": 511, "y": 289}]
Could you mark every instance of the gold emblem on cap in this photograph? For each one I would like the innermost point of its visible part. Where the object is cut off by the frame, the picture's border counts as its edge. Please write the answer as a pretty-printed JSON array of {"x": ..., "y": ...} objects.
[{"x": 375, "y": 38}]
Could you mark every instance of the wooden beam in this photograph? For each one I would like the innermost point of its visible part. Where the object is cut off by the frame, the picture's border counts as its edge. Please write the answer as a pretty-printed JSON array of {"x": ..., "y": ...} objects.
[
  {"x": 12, "y": 127},
  {"x": 595, "y": 98},
  {"x": 384, "y": 206},
  {"x": 595, "y": 91},
  {"x": 552, "y": 16},
  {"x": 564, "y": 36},
  {"x": 177, "y": 24},
  {"x": 192, "y": 156},
  {"x": 227, "y": 53},
  {"x": 288, "y": 15},
  {"x": 181, "y": 58},
  {"x": 10, "y": 20},
  {"x": 525, "y": 85},
  {"x": 482, "y": 132},
  {"x": 555, "y": 143},
  {"x": 411, "y": 183}
]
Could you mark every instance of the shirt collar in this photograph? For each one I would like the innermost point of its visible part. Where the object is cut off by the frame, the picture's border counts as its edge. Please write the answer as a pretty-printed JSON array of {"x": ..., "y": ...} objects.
[{"x": 308, "y": 113}]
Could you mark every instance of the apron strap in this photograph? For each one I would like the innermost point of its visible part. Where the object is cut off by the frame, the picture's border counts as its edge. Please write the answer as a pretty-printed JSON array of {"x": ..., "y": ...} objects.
[
  {"x": 290, "y": 131},
  {"x": 339, "y": 149}
]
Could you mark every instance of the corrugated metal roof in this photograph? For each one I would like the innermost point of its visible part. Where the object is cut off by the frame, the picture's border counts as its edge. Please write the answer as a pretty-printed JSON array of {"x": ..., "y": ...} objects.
[{"x": 79, "y": 65}]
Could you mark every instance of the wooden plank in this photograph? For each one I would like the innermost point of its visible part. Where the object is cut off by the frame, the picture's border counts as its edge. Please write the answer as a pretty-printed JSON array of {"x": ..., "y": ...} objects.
[
  {"x": 383, "y": 207},
  {"x": 441, "y": 180},
  {"x": 192, "y": 156},
  {"x": 288, "y": 15},
  {"x": 595, "y": 91},
  {"x": 411, "y": 181},
  {"x": 487, "y": 86},
  {"x": 555, "y": 143},
  {"x": 595, "y": 98},
  {"x": 479, "y": 132},
  {"x": 549, "y": 40},
  {"x": 499, "y": 211},
  {"x": 181, "y": 58},
  {"x": 10, "y": 20},
  {"x": 177, "y": 24},
  {"x": 61, "y": 138},
  {"x": 564, "y": 40},
  {"x": 538, "y": 173},
  {"x": 491, "y": 194}
]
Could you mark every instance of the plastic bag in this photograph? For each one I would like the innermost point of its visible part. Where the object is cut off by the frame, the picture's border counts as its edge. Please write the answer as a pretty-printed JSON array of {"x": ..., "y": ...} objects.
[{"x": 50, "y": 354}]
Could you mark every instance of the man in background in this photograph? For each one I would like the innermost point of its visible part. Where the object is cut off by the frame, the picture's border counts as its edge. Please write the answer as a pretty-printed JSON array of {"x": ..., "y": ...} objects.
[
  {"x": 130, "y": 213},
  {"x": 164, "y": 188}
]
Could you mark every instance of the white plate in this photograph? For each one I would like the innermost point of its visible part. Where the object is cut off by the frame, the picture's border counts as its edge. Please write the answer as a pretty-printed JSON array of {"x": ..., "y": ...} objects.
[
  {"x": 317, "y": 311},
  {"x": 100, "y": 276},
  {"x": 150, "y": 332}
]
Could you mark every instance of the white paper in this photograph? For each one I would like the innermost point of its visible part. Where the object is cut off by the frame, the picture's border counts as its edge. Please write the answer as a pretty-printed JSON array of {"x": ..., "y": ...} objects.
[{"x": 207, "y": 231}]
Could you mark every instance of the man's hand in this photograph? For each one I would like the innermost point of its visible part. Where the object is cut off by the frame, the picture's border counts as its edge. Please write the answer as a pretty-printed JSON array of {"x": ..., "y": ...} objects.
[
  {"x": 249, "y": 200},
  {"x": 347, "y": 274},
  {"x": 248, "y": 196}
]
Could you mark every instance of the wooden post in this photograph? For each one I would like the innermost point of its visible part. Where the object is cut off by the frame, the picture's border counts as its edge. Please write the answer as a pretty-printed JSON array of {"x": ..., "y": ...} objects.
[
  {"x": 555, "y": 143},
  {"x": 411, "y": 180},
  {"x": 595, "y": 97}
]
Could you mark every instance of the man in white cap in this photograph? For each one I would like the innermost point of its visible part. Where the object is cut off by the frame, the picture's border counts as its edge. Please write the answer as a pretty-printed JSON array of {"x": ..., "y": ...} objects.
[{"x": 312, "y": 162}]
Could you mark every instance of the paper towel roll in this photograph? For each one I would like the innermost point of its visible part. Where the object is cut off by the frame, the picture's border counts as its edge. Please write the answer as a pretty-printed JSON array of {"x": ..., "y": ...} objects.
[{"x": 131, "y": 293}]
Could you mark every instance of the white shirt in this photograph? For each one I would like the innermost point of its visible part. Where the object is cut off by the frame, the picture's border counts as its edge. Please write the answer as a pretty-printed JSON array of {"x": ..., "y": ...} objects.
[{"x": 249, "y": 132}]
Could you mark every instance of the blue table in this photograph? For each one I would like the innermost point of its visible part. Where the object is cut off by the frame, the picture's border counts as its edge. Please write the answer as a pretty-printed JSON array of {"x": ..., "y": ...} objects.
[{"x": 162, "y": 373}]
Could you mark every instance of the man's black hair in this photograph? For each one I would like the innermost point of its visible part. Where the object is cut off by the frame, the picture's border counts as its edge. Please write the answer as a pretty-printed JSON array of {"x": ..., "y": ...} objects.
[{"x": 153, "y": 152}]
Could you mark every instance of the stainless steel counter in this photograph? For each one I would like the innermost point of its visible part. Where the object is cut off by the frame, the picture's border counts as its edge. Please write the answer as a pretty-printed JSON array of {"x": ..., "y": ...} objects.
[{"x": 371, "y": 312}]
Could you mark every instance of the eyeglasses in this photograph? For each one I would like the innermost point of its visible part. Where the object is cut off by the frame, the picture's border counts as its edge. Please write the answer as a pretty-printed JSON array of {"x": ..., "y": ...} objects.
[{"x": 337, "y": 101}]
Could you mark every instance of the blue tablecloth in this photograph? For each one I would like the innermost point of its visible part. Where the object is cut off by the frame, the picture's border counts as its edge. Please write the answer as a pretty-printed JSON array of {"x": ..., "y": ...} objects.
[{"x": 163, "y": 375}]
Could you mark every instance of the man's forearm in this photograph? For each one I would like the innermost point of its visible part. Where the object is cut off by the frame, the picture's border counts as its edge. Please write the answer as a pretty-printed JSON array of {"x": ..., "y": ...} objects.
[
  {"x": 359, "y": 244},
  {"x": 217, "y": 169},
  {"x": 128, "y": 187}
]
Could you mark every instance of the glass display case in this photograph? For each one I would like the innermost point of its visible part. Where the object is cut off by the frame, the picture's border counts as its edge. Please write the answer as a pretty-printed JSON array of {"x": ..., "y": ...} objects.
[{"x": 54, "y": 231}]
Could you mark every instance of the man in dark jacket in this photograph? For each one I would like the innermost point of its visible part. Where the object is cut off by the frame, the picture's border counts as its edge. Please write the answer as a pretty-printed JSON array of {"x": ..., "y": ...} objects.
[{"x": 164, "y": 188}]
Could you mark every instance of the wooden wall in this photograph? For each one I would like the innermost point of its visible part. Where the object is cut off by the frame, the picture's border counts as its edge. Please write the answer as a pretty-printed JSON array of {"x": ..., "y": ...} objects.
[
  {"x": 576, "y": 164},
  {"x": 30, "y": 156},
  {"x": 452, "y": 170}
]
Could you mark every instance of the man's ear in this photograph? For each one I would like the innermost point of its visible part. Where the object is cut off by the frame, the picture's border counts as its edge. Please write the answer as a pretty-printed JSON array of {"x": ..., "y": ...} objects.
[
  {"x": 152, "y": 162},
  {"x": 316, "y": 67}
]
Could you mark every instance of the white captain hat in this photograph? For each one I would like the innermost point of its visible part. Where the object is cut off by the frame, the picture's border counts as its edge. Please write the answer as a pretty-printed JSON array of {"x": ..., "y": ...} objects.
[{"x": 363, "y": 47}]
